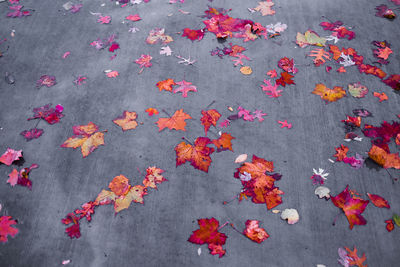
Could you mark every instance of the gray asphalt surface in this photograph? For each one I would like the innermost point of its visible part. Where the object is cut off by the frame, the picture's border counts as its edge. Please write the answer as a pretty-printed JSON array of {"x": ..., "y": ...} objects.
[{"x": 156, "y": 233}]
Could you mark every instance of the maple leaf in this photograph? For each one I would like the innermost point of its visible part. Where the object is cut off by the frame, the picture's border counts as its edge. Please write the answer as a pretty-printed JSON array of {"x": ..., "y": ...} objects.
[
  {"x": 352, "y": 207},
  {"x": 208, "y": 234},
  {"x": 272, "y": 73},
  {"x": 135, "y": 194},
  {"x": 329, "y": 95},
  {"x": 378, "y": 201},
  {"x": 47, "y": 113},
  {"x": 270, "y": 90},
  {"x": 166, "y": 50},
  {"x": 152, "y": 111},
  {"x": 112, "y": 74},
  {"x": 381, "y": 96},
  {"x": 265, "y": 8},
  {"x": 320, "y": 56},
  {"x": 357, "y": 90},
  {"x": 254, "y": 232},
  {"x": 198, "y": 154},
  {"x": 81, "y": 79},
  {"x": 46, "y": 80},
  {"x": 144, "y": 62},
  {"x": 114, "y": 46},
  {"x": 354, "y": 259},
  {"x": 7, "y": 228},
  {"x": 31, "y": 134},
  {"x": 166, "y": 85},
  {"x": 224, "y": 142},
  {"x": 210, "y": 117},
  {"x": 158, "y": 35},
  {"x": 393, "y": 81},
  {"x": 119, "y": 185},
  {"x": 177, "y": 121},
  {"x": 127, "y": 121},
  {"x": 104, "y": 19},
  {"x": 352, "y": 121},
  {"x": 10, "y": 156},
  {"x": 21, "y": 177},
  {"x": 285, "y": 78},
  {"x": 74, "y": 230},
  {"x": 285, "y": 124},
  {"x": 193, "y": 34},
  {"x": 85, "y": 136},
  {"x": 259, "y": 115},
  {"x": 184, "y": 88},
  {"x": 383, "y": 158},
  {"x": 135, "y": 17},
  {"x": 153, "y": 177}
]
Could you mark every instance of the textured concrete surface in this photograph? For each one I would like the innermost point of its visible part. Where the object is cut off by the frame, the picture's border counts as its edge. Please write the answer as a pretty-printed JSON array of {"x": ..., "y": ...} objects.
[{"x": 156, "y": 233}]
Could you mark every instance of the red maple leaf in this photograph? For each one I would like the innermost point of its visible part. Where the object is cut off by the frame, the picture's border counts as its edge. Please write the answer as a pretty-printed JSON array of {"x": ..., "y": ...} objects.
[
  {"x": 144, "y": 62},
  {"x": 6, "y": 228},
  {"x": 21, "y": 177},
  {"x": 198, "y": 154},
  {"x": 352, "y": 207},
  {"x": 254, "y": 232},
  {"x": 47, "y": 113},
  {"x": 285, "y": 78},
  {"x": 208, "y": 234},
  {"x": 378, "y": 201},
  {"x": 31, "y": 134},
  {"x": 210, "y": 117},
  {"x": 193, "y": 34}
]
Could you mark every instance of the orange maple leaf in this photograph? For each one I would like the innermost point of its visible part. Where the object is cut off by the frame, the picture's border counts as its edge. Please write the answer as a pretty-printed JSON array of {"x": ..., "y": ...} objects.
[
  {"x": 355, "y": 260},
  {"x": 265, "y": 8},
  {"x": 85, "y": 136},
  {"x": 383, "y": 158},
  {"x": 329, "y": 95},
  {"x": 198, "y": 154},
  {"x": 210, "y": 117},
  {"x": 224, "y": 142},
  {"x": 119, "y": 185},
  {"x": 166, "y": 85},
  {"x": 384, "y": 52},
  {"x": 177, "y": 121},
  {"x": 320, "y": 56},
  {"x": 127, "y": 121}
]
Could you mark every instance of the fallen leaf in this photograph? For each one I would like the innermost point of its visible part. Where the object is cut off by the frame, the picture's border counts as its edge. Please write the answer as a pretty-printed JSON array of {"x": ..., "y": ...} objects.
[
  {"x": 127, "y": 121},
  {"x": 320, "y": 56},
  {"x": 241, "y": 158},
  {"x": 7, "y": 228},
  {"x": 198, "y": 154},
  {"x": 291, "y": 215},
  {"x": 285, "y": 79},
  {"x": 246, "y": 70},
  {"x": 357, "y": 90},
  {"x": 309, "y": 38},
  {"x": 389, "y": 225},
  {"x": 352, "y": 207},
  {"x": 135, "y": 17},
  {"x": 210, "y": 117},
  {"x": 224, "y": 142},
  {"x": 10, "y": 156},
  {"x": 184, "y": 88},
  {"x": 112, "y": 74},
  {"x": 393, "y": 81},
  {"x": 271, "y": 90},
  {"x": 354, "y": 259},
  {"x": 158, "y": 35},
  {"x": 341, "y": 152},
  {"x": 378, "y": 201},
  {"x": 152, "y": 111},
  {"x": 383, "y": 158},
  {"x": 329, "y": 95},
  {"x": 322, "y": 191},
  {"x": 193, "y": 34},
  {"x": 166, "y": 85},
  {"x": 285, "y": 124},
  {"x": 153, "y": 177},
  {"x": 177, "y": 121},
  {"x": 208, "y": 234},
  {"x": 85, "y": 136},
  {"x": 254, "y": 232},
  {"x": 265, "y": 8}
]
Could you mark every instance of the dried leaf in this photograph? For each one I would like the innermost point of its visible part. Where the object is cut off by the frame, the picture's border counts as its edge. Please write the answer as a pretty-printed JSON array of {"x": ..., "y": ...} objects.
[
  {"x": 177, "y": 121},
  {"x": 127, "y": 121}
]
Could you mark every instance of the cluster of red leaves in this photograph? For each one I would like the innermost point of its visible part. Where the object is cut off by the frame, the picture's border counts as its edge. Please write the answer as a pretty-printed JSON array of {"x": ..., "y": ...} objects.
[
  {"x": 7, "y": 228},
  {"x": 288, "y": 66},
  {"x": 199, "y": 154},
  {"x": 208, "y": 233},
  {"x": 380, "y": 139},
  {"x": 341, "y": 155},
  {"x": 21, "y": 177},
  {"x": 338, "y": 30},
  {"x": 184, "y": 86},
  {"x": 46, "y": 80},
  {"x": 258, "y": 182},
  {"x": 122, "y": 194},
  {"x": 224, "y": 26},
  {"x": 232, "y": 51}
]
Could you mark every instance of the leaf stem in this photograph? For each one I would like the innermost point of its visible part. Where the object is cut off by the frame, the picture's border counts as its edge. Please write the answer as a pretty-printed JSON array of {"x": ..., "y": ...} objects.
[
  {"x": 337, "y": 216},
  {"x": 163, "y": 110},
  {"x": 209, "y": 105},
  {"x": 184, "y": 138}
]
